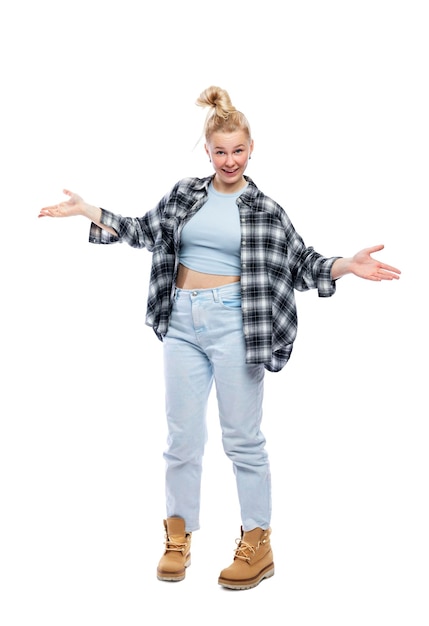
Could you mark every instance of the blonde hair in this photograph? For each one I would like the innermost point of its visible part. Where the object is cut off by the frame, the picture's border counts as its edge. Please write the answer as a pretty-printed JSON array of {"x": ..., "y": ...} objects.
[{"x": 222, "y": 116}]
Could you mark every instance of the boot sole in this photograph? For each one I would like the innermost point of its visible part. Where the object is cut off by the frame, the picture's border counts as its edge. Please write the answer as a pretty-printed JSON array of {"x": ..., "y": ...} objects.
[
  {"x": 247, "y": 584},
  {"x": 173, "y": 578}
]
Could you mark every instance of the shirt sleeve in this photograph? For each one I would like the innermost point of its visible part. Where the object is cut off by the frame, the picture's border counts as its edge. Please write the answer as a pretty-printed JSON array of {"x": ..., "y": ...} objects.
[
  {"x": 138, "y": 232},
  {"x": 101, "y": 236},
  {"x": 326, "y": 286},
  {"x": 310, "y": 269}
]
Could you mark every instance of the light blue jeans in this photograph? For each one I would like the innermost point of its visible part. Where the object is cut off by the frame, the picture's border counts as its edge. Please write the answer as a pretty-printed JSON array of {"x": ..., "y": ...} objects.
[{"x": 205, "y": 344}]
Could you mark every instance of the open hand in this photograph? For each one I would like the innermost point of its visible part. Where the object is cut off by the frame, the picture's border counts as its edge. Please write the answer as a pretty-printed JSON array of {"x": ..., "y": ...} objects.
[
  {"x": 73, "y": 206},
  {"x": 363, "y": 265}
]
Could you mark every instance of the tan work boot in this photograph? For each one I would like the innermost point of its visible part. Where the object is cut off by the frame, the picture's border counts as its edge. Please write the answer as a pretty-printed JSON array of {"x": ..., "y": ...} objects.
[
  {"x": 177, "y": 555},
  {"x": 253, "y": 561}
]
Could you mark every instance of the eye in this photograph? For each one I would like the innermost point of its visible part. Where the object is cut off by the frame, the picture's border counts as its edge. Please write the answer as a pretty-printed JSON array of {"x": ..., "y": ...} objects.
[
  {"x": 220, "y": 152},
  {"x": 239, "y": 151}
]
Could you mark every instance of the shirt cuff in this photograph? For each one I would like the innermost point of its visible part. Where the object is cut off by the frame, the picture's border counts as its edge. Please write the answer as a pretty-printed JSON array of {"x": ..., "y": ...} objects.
[
  {"x": 100, "y": 236},
  {"x": 326, "y": 285}
]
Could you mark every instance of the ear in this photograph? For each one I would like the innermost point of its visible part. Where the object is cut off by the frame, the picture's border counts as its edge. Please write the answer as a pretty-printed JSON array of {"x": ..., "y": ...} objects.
[
  {"x": 251, "y": 148},
  {"x": 207, "y": 150}
]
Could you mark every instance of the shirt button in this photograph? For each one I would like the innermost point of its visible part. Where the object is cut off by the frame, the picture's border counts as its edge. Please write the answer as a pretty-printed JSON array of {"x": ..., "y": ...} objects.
[{"x": 244, "y": 242}]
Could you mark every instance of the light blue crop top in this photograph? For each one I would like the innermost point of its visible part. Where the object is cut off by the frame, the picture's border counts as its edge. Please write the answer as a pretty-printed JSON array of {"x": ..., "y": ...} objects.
[{"x": 211, "y": 240}]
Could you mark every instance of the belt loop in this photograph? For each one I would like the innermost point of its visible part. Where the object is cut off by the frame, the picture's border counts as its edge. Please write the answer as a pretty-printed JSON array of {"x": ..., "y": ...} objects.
[{"x": 215, "y": 295}]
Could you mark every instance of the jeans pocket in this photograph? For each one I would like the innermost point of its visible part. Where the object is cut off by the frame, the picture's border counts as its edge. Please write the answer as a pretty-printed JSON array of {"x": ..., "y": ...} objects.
[{"x": 231, "y": 301}]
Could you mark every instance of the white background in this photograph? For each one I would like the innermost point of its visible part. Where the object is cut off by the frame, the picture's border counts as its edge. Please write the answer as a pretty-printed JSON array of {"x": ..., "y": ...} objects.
[{"x": 98, "y": 97}]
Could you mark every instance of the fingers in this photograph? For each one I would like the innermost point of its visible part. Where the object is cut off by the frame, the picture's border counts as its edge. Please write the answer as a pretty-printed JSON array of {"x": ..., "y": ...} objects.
[
  {"x": 375, "y": 248},
  {"x": 73, "y": 197},
  {"x": 390, "y": 268},
  {"x": 49, "y": 212},
  {"x": 56, "y": 210},
  {"x": 386, "y": 272}
]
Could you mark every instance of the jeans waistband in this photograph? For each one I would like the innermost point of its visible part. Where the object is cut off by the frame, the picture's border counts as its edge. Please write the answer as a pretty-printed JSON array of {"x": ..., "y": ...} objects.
[{"x": 210, "y": 292}]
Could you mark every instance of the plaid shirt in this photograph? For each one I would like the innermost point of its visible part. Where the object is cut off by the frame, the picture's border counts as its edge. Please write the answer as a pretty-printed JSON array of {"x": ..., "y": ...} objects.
[{"x": 274, "y": 262}]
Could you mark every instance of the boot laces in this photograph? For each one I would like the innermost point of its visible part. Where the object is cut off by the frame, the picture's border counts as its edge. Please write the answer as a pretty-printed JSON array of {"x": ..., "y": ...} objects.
[
  {"x": 245, "y": 550},
  {"x": 175, "y": 546}
]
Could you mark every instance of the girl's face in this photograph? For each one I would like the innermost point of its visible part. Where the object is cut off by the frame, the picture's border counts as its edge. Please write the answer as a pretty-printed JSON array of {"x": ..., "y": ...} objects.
[{"x": 229, "y": 154}]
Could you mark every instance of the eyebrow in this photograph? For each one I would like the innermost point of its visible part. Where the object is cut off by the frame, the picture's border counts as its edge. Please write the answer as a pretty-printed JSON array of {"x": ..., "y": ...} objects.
[{"x": 241, "y": 145}]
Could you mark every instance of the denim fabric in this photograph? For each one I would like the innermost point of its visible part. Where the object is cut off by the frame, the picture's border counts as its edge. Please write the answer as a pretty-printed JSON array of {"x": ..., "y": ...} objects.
[{"x": 205, "y": 344}]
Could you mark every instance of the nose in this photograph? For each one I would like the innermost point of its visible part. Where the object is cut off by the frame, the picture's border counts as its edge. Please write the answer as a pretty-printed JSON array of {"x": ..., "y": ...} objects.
[{"x": 230, "y": 159}]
